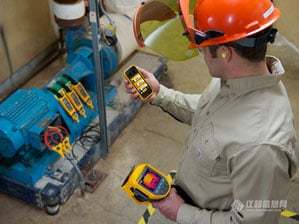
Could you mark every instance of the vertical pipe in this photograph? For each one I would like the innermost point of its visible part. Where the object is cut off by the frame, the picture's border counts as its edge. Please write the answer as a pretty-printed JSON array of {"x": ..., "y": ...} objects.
[
  {"x": 97, "y": 55},
  {"x": 8, "y": 58},
  {"x": 27, "y": 71}
]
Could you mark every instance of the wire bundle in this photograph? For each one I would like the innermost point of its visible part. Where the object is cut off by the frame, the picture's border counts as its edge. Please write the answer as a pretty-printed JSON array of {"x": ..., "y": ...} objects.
[{"x": 90, "y": 137}]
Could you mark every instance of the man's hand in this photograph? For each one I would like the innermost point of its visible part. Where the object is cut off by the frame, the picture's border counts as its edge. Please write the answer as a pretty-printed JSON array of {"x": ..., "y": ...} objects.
[
  {"x": 150, "y": 79},
  {"x": 169, "y": 207}
]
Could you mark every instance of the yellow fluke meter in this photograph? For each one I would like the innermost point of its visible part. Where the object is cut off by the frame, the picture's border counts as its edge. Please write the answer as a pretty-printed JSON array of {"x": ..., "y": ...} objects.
[
  {"x": 146, "y": 184},
  {"x": 57, "y": 139},
  {"x": 68, "y": 107},
  {"x": 74, "y": 99},
  {"x": 71, "y": 94},
  {"x": 63, "y": 148},
  {"x": 82, "y": 93}
]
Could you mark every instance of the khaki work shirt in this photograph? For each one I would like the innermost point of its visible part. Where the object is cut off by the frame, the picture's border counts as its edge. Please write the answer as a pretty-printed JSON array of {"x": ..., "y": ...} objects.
[{"x": 240, "y": 152}]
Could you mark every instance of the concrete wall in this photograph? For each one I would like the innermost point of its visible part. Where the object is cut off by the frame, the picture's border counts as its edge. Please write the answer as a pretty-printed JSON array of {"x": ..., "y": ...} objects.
[
  {"x": 28, "y": 30},
  {"x": 288, "y": 24}
]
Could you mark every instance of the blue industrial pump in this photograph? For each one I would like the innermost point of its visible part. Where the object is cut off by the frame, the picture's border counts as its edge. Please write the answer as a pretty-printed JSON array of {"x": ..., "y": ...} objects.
[{"x": 68, "y": 101}]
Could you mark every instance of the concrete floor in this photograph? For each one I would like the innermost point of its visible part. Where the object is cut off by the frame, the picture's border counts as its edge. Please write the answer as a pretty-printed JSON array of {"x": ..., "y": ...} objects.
[{"x": 152, "y": 137}]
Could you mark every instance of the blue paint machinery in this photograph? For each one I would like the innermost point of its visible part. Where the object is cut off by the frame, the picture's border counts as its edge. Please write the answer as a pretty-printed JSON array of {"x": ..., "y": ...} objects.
[{"x": 38, "y": 126}]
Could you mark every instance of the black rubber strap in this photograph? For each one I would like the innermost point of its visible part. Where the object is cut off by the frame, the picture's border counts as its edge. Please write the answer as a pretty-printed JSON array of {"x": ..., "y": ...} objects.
[{"x": 258, "y": 41}]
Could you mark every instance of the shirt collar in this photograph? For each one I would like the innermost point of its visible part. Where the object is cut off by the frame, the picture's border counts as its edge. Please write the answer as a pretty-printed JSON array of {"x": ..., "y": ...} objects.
[{"x": 248, "y": 84}]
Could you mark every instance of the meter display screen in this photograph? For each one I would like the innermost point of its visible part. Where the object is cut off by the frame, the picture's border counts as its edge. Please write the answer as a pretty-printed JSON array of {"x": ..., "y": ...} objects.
[
  {"x": 150, "y": 180},
  {"x": 67, "y": 104},
  {"x": 76, "y": 99}
]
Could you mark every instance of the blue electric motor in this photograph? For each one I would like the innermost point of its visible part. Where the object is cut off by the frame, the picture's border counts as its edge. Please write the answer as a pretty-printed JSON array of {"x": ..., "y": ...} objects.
[{"x": 27, "y": 113}]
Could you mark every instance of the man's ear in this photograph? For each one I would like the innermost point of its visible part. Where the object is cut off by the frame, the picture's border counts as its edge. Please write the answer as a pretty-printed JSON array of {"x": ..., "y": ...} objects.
[{"x": 224, "y": 53}]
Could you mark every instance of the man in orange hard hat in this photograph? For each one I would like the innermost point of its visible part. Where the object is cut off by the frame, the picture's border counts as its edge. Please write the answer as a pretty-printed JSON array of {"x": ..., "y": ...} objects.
[{"x": 240, "y": 153}]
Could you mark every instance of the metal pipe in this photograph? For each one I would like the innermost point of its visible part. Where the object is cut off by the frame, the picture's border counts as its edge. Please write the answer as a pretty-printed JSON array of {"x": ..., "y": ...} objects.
[
  {"x": 97, "y": 55},
  {"x": 27, "y": 71},
  {"x": 7, "y": 54}
]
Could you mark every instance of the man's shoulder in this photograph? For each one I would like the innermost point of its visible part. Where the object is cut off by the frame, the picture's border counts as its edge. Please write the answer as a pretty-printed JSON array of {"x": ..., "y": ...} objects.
[{"x": 259, "y": 116}]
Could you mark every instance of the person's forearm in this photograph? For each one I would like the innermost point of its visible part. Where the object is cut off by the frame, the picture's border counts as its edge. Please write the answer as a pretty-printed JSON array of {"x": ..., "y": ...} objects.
[{"x": 179, "y": 105}]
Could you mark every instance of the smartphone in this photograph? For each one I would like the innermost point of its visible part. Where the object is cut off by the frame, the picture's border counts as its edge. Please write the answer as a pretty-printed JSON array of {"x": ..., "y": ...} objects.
[{"x": 135, "y": 77}]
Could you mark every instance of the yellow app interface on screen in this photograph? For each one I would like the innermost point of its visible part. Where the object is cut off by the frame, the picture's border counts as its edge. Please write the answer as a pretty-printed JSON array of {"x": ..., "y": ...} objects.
[{"x": 137, "y": 80}]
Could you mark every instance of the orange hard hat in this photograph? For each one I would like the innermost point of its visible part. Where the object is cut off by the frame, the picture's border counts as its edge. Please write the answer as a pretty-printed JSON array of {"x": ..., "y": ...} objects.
[
  {"x": 159, "y": 24},
  {"x": 223, "y": 21}
]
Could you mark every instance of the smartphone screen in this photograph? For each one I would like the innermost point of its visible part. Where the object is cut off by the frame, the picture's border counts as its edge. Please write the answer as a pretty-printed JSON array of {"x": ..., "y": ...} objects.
[{"x": 138, "y": 82}]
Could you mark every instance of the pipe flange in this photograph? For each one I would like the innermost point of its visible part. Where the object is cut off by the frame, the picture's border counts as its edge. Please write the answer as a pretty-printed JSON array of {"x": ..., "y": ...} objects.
[{"x": 69, "y": 13}]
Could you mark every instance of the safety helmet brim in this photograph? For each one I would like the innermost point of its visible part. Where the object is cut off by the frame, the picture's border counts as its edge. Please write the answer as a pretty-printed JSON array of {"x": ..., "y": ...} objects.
[{"x": 157, "y": 25}]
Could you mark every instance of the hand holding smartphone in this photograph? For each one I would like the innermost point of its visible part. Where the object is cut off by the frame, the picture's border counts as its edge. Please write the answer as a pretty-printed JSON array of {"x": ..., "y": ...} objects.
[{"x": 137, "y": 79}]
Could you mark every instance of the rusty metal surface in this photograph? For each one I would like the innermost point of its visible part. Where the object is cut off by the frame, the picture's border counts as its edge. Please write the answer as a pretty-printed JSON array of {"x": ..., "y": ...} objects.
[
  {"x": 70, "y": 23},
  {"x": 93, "y": 179}
]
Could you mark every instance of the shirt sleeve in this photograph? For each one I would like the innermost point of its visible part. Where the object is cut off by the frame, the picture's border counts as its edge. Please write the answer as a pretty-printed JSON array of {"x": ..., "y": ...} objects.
[
  {"x": 179, "y": 105},
  {"x": 260, "y": 182}
]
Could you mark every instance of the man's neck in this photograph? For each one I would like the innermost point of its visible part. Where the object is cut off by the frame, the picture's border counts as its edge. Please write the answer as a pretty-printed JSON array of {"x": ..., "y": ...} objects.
[{"x": 246, "y": 69}]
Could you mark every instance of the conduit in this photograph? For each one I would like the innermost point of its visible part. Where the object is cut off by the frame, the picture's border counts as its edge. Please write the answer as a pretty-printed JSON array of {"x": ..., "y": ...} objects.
[
  {"x": 7, "y": 54},
  {"x": 27, "y": 71},
  {"x": 124, "y": 31},
  {"x": 124, "y": 7}
]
